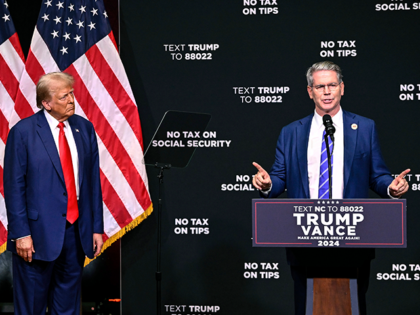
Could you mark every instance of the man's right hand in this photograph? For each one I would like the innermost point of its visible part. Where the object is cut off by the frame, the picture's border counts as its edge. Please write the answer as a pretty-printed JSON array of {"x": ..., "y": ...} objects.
[
  {"x": 261, "y": 180},
  {"x": 25, "y": 248}
]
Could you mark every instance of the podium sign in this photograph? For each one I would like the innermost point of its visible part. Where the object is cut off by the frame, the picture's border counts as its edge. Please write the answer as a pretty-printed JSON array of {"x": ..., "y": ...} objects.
[{"x": 359, "y": 223}]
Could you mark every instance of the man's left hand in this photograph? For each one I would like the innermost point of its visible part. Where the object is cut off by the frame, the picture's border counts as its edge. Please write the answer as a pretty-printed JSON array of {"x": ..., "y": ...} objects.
[
  {"x": 97, "y": 243},
  {"x": 399, "y": 185}
]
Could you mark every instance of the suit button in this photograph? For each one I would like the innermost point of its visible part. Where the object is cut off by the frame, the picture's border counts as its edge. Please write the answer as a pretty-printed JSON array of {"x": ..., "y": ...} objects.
[
  {"x": 64, "y": 194},
  {"x": 63, "y": 214}
]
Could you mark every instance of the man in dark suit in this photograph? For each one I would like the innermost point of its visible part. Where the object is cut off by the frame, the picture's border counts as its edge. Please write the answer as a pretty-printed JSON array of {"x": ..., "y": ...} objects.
[
  {"x": 358, "y": 165},
  {"x": 53, "y": 200}
]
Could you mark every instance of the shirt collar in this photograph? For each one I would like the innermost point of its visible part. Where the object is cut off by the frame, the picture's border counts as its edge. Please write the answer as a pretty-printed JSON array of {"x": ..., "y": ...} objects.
[
  {"x": 54, "y": 122},
  {"x": 337, "y": 119}
]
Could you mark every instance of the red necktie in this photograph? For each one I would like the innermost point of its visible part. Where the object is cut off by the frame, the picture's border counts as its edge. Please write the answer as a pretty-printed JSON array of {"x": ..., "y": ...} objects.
[{"x": 67, "y": 166}]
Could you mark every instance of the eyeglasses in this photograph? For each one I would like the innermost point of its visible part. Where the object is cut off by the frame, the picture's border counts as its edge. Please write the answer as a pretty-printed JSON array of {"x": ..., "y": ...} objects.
[{"x": 321, "y": 87}]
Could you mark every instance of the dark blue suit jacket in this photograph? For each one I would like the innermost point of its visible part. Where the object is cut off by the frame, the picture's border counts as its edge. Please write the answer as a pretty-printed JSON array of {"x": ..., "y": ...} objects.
[
  {"x": 364, "y": 168},
  {"x": 35, "y": 192}
]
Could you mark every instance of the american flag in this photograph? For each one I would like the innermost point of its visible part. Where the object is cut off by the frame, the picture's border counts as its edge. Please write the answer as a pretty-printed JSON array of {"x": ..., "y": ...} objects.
[
  {"x": 75, "y": 36},
  {"x": 12, "y": 63}
]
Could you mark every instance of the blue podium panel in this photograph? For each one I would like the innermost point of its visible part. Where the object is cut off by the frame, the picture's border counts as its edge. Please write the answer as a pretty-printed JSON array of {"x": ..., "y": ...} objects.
[{"x": 329, "y": 223}]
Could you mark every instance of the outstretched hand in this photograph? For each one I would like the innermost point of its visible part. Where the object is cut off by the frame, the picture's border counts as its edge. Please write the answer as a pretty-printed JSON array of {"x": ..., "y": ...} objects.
[
  {"x": 261, "y": 180},
  {"x": 399, "y": 185}
]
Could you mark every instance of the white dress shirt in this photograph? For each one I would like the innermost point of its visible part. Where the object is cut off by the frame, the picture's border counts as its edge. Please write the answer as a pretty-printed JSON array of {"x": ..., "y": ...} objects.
[
  {"x": 314, "y": 155},
  {"x": 53, "y": 123}
]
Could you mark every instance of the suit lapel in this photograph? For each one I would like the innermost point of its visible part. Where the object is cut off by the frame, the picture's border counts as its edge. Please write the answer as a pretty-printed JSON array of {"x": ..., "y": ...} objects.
[
  {"x": 350, "y": 139},
  {"x": 78, "y": 138},
  {"x": 302, "y": 139},
  {"x": 44, "y": 132}
]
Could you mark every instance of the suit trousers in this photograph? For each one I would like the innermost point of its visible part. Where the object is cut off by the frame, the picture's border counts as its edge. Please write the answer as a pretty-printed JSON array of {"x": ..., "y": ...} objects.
[{"x": 56, "y": 284}]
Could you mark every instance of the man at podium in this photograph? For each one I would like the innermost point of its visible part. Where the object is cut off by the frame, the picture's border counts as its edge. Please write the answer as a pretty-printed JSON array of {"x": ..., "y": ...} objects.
[{"x": 301, "y": 166}]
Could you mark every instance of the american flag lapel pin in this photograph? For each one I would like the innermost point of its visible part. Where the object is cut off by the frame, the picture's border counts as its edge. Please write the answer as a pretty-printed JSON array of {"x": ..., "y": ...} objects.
[{"x": 77, "y": 130}]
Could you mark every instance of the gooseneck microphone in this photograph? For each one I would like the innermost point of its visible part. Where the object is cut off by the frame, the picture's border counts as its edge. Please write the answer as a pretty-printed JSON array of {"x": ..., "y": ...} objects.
[{"x": 329, "y": 128}]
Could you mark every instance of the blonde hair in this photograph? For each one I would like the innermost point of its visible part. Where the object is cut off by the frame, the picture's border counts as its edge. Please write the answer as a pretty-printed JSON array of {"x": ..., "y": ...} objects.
[
  {"x": 323, "y": 65},
  {"x": 43, "y": 90}
]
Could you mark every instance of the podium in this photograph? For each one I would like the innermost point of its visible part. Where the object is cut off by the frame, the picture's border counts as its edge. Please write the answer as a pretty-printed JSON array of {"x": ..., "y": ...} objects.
[{"x": 326, "y": 223}]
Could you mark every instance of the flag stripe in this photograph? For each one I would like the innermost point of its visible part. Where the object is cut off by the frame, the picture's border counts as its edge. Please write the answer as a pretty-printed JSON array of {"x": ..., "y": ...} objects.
[
  {"x": 114, "y": 61},
  {"x": 2, "y": 147},
  {"x": 14, "y": 40},
  {"x": 114, "y": 88},
  {"x": 1, "y": 184},
  {"x": 4, "y": 127},
  {"x": 105, "y": 237},
  {"x": 6, "y": 102},
  {"x": 114, "y": 203},
  {"x": 110, "y": 225},
  {"x": 112, "y": 38},
  {"x": 3, "y": 234},
  {"x": 42, "y": 54},
  {"x": 34, "y": 68},
  {"x": 8, "y": 79},
  {"x": 12, "y": 63},
  {"x": 3, "y": 215},
  {"x": 120, "y": 185},
  {"x": 12, "y": 58},
  {"x": 118, "y": 181},
  {"x": 22, "y": 107},
  {"x": 110, "y": 139},
  {"x": 110, "y": 110}
]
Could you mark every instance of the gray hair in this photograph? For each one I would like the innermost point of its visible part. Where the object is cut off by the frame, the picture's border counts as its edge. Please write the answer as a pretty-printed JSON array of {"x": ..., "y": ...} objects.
[
  {"x": 43, "y": 90},
  {"x": 323, "y": 65}
]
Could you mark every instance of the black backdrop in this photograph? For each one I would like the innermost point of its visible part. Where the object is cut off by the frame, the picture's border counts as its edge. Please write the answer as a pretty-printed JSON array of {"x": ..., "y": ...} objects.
[
  {"x": 262, "y": 50},
  {"x": 376, "y": 45}
]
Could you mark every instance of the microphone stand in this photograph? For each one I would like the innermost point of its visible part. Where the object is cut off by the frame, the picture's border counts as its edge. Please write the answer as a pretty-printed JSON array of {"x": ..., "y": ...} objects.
[
  {"x": 329, "y": 164},
  {"x": 159, "y": 240}
]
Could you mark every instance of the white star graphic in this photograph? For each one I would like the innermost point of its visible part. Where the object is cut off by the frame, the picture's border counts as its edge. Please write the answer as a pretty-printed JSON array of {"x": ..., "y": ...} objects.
[
  {"x": 105, "y": 15},
  {"x": 54, "y": 34},
  {"x": 57, "y": 20},
  {"x": 5, "y": 4},
  {"x": 82, "y": 9},
  {"x": 92, "y": 25},
  {"x": 66, "y": 36},
  {"x": 64, "y": 50},
  {"x": 60, "y": 5},
  {"x": 78, "y": 38},
  {"x": 94, "y": 12},
  {"x": 69, "y": 21},
  {"x": 45, "y": 17},
  {"x": 80, "y": 24},
  {"x": 71, "y": 7},
  {"x": 48, "y": 3},
  {"x": 6, "y": 17}
]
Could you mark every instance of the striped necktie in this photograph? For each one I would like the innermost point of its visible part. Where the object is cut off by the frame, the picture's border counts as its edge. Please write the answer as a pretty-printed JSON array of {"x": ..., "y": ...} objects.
[{"x": 323, "y": 192}]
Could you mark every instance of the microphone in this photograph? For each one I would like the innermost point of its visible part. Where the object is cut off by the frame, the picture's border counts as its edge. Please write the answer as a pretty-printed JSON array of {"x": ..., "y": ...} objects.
[{"x": 329, "y": 128}]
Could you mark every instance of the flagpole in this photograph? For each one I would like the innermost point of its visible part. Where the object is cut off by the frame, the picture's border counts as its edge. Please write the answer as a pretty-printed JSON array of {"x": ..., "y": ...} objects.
[{"x": 159, "y": 241}]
